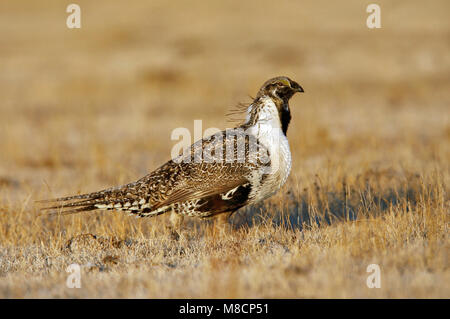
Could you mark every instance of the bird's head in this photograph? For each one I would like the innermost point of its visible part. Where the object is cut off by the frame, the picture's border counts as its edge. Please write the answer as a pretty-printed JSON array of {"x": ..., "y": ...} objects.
[{"x": 280, "y": 87}]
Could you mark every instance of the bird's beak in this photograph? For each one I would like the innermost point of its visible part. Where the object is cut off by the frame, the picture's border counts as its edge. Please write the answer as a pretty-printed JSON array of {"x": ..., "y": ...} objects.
[{"x": 296, "y": 87}]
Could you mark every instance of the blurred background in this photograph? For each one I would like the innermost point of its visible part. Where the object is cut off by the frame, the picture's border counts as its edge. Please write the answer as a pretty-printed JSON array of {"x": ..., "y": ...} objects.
[{"x": 100, "y": 102}]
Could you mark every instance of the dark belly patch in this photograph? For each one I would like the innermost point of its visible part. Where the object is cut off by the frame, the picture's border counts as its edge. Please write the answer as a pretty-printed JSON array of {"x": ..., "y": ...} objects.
[{"x": 230, "y": 201}]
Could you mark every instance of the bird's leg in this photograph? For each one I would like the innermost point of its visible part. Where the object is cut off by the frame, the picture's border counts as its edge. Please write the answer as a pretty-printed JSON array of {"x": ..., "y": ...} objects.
[
  {"x": 176, "y": 220},
  {"x": 221, "y": 222}
]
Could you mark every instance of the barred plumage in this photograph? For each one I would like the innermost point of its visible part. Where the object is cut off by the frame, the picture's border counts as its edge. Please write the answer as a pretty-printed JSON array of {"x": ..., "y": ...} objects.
[{"x": 216, "y": 175}]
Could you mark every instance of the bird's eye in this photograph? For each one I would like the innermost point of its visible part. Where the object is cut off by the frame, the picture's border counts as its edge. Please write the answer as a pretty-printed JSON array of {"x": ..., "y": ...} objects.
[{"x": 278, "y": 85}]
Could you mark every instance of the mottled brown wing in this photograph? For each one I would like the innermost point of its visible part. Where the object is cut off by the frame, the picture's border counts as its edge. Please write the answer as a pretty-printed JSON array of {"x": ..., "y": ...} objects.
[
  {"x": 214, "y": 173},
  {"x": 201, "y": 185},
  {"x": 175, "y": 182}
]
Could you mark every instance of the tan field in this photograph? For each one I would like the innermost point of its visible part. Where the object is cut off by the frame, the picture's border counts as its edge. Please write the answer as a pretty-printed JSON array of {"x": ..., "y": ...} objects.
[{"x": 86, "y": 109}]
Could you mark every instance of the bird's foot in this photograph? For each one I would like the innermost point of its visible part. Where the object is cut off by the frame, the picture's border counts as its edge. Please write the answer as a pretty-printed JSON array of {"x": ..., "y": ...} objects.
[
  {"x": 176, "y": 221},
  {"x": 222, "y": 226},
  {"x": 174, "y": 235}
]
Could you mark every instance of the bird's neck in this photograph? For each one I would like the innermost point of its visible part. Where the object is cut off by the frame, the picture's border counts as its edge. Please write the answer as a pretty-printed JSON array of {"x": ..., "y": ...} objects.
[{"x": 271, "y": 112}]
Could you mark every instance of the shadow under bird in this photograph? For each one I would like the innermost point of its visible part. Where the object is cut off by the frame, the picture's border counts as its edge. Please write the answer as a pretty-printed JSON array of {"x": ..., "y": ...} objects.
[{"x": 233, "y": 175}]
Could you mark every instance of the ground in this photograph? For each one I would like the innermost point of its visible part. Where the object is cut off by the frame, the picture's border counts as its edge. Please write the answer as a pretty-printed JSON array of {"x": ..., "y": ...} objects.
[{"x": 82, "y": 110}]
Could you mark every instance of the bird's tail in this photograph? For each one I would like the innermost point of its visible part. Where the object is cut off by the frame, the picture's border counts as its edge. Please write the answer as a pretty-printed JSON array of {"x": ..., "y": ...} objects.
[
  {"x": 122, "y": 198},
  {"x": 75, "y": 204}
]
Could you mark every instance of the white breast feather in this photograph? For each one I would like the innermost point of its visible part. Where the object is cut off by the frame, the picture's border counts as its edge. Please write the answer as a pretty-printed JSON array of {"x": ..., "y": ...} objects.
[{"x": 268, "y": 132}]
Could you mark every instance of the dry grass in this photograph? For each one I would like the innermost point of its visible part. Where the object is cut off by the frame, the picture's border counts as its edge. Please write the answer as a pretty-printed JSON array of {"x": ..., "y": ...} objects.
[{"x": 87, "y": 109}]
